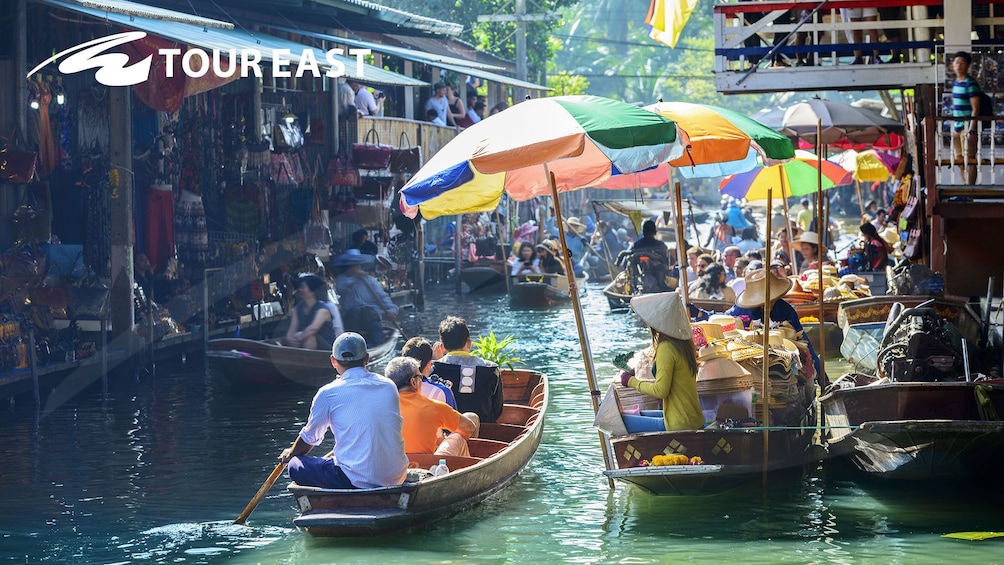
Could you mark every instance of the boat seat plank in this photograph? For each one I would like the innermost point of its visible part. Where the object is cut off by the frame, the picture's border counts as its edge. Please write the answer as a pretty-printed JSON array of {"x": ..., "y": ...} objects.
[
  {"x": 500, "y": 432},
  {"x": 485, "y": 448},
  {"x": 516, "y": 414},
  {"x": 426, "y": 460}
]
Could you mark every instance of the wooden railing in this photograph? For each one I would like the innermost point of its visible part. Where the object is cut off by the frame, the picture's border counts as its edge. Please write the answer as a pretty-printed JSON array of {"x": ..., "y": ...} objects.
[
  {"x": 745, "y": 32},
  {"x": 429, "y": 136}
]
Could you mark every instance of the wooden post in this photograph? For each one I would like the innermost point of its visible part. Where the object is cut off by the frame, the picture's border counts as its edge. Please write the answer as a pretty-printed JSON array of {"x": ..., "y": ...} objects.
[
  {"x": 457, "y": 233},
  {"x": 420, "y": 268},
  {"x": 765, "y": 373},
  {"x": 679, "y": 242},
  {"x": 824, "y": 230},
  {"x": 580, "y": 324},
  {"x": 121, "y": 213}
]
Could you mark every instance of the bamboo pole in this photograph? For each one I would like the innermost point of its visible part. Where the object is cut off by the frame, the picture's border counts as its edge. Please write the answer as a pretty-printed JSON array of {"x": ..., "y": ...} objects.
[
  {"x": 505, "y": 264},
  {"x": 861, "y": 202},
  {"x": 679, "y": 242},
  {"x": 765, "y": 374},
  {"x": 580, "y": 325},
  {"x": 787, "y": 226},
  {"x": 824, "y": 230}
]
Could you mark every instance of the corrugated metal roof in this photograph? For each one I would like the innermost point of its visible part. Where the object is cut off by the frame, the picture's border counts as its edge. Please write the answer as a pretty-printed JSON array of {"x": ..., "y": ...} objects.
[
  {"x": 462, "y": 66},
  {"x": 142, "y": 10},
  {"x": 402, "y": 18},
  {"x": 402, "y": 52},
  {"x": 224, "y": 39}
]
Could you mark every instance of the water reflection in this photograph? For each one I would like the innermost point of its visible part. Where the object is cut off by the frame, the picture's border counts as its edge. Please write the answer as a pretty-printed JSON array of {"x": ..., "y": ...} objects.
[{"x": 155, "y": 472}]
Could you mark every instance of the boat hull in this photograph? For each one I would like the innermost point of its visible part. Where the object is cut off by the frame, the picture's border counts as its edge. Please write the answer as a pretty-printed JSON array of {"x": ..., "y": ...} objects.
[
  {"x": 531, "y": 294},
  {"x": 369, "y": 512},
  {"x": 484, "y": 278},
  {"x": 916, "y": 430},
  {"x": 732, "y": 458},
  {"x": 248, "y": 361}
]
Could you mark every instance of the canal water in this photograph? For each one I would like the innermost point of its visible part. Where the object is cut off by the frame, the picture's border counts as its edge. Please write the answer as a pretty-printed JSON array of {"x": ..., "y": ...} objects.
[{"x": 156, "y": 471}]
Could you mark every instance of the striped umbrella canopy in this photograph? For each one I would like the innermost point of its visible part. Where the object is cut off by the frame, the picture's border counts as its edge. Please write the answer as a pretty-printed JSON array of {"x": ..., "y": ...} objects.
[
  {"x": 582, "y": 140},
  {"x": 867, "y": 166},
  {"x": 798, "y": 177},
  {"x": 839, "y": 121},
  {"x": 721, "y": 142}
]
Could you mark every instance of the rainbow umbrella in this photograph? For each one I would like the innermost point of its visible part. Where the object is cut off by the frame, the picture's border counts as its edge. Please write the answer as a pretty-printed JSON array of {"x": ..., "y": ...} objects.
[
  {"x": 797, "y": 177},
  {"x": 721, "y": 142},
  {"x": 582, "y": 140}
]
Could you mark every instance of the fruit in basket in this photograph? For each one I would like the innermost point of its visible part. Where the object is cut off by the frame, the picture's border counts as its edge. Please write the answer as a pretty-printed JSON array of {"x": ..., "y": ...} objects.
[{"x": 696, "y": 460}]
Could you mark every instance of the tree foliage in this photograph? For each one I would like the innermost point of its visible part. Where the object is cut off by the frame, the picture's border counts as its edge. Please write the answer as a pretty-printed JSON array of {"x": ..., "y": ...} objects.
[{"x": 497, "y": 38}]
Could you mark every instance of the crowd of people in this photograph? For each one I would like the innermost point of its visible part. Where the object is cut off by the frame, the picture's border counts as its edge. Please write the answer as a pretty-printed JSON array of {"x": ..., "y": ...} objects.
[{"x": 420, "y": 410}]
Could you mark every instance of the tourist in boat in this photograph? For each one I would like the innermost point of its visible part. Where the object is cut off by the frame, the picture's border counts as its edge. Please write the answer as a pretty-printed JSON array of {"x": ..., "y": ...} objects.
[
  {"x": 363, "y": 300},
  {"x": 548, "y": 258},
  {"x": 361, "y": 241},
  {"x": 750, "y": 303},
  {"x": 674, "y": 367},
  {"x": 782, "y": 249},
  {"x": 810, "y": 250},
  {"x": 729, "y": 256},
  {"x": 876, "y": 249},
  {"x": 424, "y": 417},
  {"x": 310, "y": 325},
  {"x": 712, "y": 285},
  {"x": 478, "y": 393},
  {"x": 419, "y": 349},
  {"x": 369, "y": 447},
  {"x": 526, "y": 262}
]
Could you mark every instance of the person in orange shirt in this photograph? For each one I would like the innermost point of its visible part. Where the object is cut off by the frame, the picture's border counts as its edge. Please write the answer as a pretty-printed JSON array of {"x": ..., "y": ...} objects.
[{"x": 424, "y": 418}]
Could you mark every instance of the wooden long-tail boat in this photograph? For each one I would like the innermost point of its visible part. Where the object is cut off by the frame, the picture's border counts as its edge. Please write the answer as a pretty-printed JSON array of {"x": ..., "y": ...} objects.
[
  {"x": 486, "y": 275},
  {"x": 542, "y": 290},
  {"x": 916, "y": 430},
  {"x": 500, "y": 452},
  {"x": 269, "y": 364}
]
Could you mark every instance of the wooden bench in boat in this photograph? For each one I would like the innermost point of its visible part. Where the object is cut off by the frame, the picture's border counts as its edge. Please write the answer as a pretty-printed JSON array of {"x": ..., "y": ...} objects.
[
  {"x": 518, "y": 414},
  {"x": 501, "y": 432}
]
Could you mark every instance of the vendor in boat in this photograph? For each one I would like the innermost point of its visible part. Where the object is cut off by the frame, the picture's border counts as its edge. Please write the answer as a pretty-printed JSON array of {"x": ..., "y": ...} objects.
[
  {"x": 811, "y": 251},
  {"x": 363, "y": 300},
  {"x": 526, "y": 262},
  {"x": 648, "y": 241},
  {"x": 424, "y": 417},
  {"x": 548, "y": 258},
  {"x": 369, "y": 447},
  {"x": 674, "y": 366},
  {"x": 310, "y": 326},
  {"x": 750, "y": 304}
]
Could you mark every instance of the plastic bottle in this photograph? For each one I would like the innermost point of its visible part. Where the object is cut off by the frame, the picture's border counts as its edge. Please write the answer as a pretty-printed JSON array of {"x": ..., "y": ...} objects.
[{"x": 441, "y": 469}]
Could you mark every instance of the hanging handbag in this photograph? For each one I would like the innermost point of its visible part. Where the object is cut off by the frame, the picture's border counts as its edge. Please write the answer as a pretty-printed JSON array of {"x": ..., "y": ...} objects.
[
  {"x": 404, "y": 158},
  {"x": 88, "y": 298},
  {"x": 287, "y": 136},
  {"x": 31, "y": 220},
  {"x": 51, "y": 294},
  {"x": 17, "y": 166},
  {"x": 342, "y": 172},
  {"x": 316, "y": 233},
  {"x": 914, "y": 244},
  {"x": 19, "y": 270},
  {"x": 371, "y": 155}
]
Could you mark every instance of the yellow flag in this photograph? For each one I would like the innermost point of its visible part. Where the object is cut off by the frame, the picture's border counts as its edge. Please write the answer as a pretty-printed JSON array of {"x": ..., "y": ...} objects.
[{"x": 667, "y": 18}]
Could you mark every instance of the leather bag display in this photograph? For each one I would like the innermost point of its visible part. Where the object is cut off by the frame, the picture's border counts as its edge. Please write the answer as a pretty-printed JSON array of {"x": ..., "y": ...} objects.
[
  {"x": 17, "y": 165},
  {"x": 372, "y": 156},
  {"x": 404, "y": 158}
]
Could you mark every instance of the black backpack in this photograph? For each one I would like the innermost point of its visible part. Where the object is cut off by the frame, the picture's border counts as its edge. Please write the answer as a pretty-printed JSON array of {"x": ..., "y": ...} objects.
[{"x": 986, "y": 109}]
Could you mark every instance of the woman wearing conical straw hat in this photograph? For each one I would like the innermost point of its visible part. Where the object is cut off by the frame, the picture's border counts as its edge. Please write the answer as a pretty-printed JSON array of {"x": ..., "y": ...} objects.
[
  {"x": 750, "y": 304},
  {"x": 675, "y": 363}
]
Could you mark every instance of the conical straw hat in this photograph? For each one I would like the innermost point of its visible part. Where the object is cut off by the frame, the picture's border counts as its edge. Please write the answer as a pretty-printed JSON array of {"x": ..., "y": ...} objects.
[
  {"x": 755, "y": 291},
  {"x": 664, "y": 312}
]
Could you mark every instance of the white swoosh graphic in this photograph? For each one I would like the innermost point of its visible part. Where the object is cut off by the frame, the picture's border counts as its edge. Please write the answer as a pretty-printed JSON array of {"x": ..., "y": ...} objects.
[{"x": 113, "y": 68}]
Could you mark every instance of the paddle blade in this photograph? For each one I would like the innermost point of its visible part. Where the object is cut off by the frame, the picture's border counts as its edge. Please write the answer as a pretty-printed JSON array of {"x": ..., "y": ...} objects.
[
  {"x": 974, "y": 536},
  {"x": 262, "y": 491}
]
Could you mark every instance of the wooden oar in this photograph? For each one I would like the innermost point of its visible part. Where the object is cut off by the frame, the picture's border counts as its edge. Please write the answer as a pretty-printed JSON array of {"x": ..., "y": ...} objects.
[{"x": 262, "y": 491}]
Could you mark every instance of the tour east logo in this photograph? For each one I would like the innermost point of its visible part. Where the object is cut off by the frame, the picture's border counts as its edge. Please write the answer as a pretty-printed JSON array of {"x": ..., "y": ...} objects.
[{"x": 114, "y": 67}]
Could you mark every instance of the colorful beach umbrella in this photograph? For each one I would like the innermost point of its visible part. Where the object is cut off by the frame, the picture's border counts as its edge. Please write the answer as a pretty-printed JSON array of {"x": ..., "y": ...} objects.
[
  {"x": 583, "y": 141},
  {"x": 720, "y": 142},
  {"x": 839, "y": 121},
  {"x": 798, "y": 177},
  {"x": 867, "y": 166}
]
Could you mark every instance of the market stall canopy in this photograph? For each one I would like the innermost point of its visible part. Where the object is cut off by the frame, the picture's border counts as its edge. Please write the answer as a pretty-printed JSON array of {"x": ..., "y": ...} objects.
[
  {"x": 462, "y": 66},
  {"x": 209, "y": 37}
]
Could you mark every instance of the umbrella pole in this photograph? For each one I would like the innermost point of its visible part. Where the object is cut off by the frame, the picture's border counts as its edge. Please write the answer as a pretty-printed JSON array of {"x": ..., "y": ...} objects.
[
  {"x": 765, "y": 393},
  {"x": 580, "y": 325},
  {"x": 505, "y": 264},
  {"x": 861, "y": 203},
  {"x": 820, "y": 217},
  {"x": 607, "y": 252},
  {"x": 787, "y": 227},
  {"x": 679, "y": 242},
  {"x": 457, "y": 237}
]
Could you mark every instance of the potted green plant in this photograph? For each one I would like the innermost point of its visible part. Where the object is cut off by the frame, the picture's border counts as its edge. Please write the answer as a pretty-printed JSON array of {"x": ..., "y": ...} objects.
[{"x": 498, "y": 351}]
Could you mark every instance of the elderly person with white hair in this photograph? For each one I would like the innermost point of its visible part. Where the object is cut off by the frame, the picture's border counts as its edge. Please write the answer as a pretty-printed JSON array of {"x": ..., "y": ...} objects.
[{"x": 424, "y": 417}]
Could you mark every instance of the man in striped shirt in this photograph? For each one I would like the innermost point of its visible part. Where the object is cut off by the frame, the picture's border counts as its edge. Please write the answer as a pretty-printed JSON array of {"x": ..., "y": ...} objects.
[{"x": 965, "y": 104}]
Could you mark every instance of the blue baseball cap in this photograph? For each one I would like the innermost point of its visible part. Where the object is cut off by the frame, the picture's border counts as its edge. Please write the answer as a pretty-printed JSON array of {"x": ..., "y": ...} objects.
[{"x": 349, "y": 346}]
